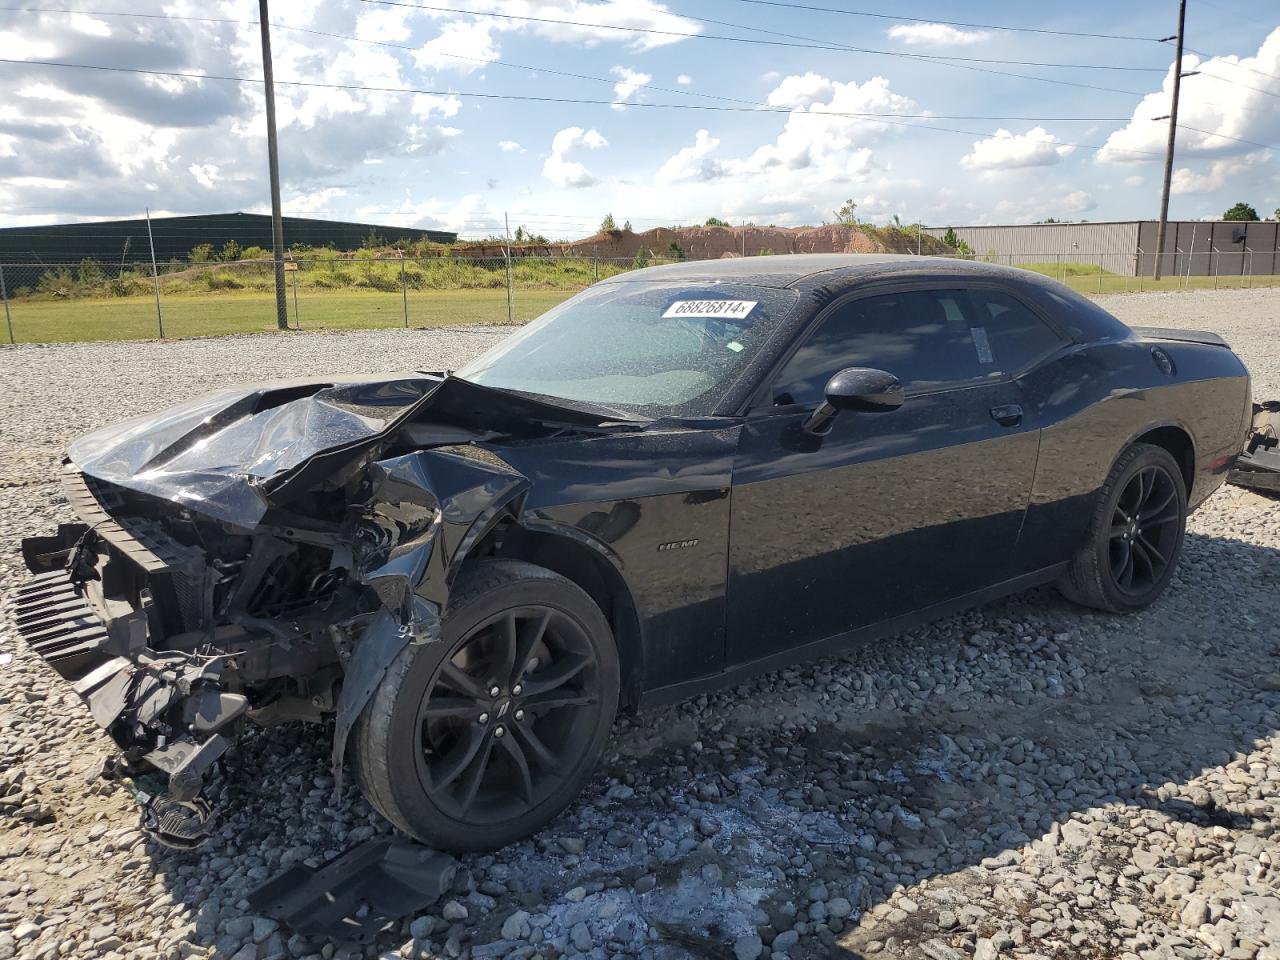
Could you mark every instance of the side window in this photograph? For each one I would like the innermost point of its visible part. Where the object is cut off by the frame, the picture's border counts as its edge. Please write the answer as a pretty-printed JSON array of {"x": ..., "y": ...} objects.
[
  {"x": 923, "y": 337},
  {"x": 1017, "y": 336}
]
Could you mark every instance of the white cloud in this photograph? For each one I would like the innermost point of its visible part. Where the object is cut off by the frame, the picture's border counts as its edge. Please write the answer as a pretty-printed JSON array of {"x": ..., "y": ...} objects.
[
  {"x": 692, "y": 163},
  {"x": 818, "y": 154},
  {"x": 314, "y": 203},
  {"x": 470, "y": 213},
  {"x": 684, "y": 79},
  {"x": 1233, "y": 96},
  {"x": 462, "y": 46},
  {"x": 510, "y": 146},
  {"x": 570, "y": 173},
  {"x": 383, "y": 24},
  {"x": 1219, "y": 173},
  {"x": 935, "y": 35},
  {"x": 426, "y": 104},
  {"x": 579, "y": 22},
  {"x": 1009, "y": 151},
  {"x": 1027, "y": 207},
  {"x": 1136, "y": 180},
  {"x": 820, "y": 134},
  {"x": 205, "y": 174},
  {"x": 631, "y": 81},
  {"x": 90, "y": 25}
]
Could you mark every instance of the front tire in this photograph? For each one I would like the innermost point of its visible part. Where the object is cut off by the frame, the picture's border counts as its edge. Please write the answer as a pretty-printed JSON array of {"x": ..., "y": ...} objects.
[
  {"x": 482, "y": 738},
  {"x": 1136, "y": 534}
]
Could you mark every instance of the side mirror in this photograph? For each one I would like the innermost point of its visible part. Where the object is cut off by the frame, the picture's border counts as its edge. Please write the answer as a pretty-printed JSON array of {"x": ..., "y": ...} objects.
[{"x": 856, "y": 388}]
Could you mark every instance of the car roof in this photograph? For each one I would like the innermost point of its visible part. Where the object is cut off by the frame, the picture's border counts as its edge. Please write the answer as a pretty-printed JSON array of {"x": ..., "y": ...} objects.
[{"x": 788, "y": 270}]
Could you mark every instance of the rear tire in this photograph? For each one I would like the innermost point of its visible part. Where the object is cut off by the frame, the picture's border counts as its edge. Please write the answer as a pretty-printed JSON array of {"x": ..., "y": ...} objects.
[
  {"x": 461, "y": 767},
  {"x": 1135, "y": 536}
]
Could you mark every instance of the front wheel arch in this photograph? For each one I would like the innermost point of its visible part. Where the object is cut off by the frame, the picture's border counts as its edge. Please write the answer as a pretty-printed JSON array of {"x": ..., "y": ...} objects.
[{"x": 592, "y": 571}]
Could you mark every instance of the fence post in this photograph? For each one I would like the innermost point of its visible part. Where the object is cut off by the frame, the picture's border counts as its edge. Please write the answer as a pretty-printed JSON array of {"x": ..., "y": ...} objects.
[
  {"x": 4, "y": 295},
  {"x": 1139, "y": 270},
  {"x": 404, "y": 291},
  {"x": 155, "y": 274},
  {"x": 510, "y": 306},
  {"x": 1216, "y": 263},
  {"x": 595, "y": 264},
  {"x": 1099, "y": 273},
  {"x": 297, "y": 268}
]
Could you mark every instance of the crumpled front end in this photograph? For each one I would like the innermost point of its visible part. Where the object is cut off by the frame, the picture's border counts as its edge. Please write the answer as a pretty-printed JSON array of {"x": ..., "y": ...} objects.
[{"x": 177, "y": 620}]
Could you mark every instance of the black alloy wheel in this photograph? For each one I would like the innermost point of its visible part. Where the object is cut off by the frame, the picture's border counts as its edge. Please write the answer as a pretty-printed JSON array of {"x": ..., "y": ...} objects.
[
  {"x": 1135, "y": 534},
  {"x": 1145, "y": 530},
  {"x": 505, "y": 715},
  {"x": 482, "y": 737}
]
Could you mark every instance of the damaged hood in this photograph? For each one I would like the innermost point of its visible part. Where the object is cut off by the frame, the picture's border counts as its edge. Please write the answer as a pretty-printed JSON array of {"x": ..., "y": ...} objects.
[{"x": 230, "y": 454}]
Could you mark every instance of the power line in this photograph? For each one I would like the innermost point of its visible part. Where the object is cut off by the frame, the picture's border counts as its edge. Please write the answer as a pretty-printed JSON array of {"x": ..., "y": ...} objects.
[
  {"x": 1231, "y": 63},
  {"x": 959, "y": 63},
  {"x": 1209, "y": 133},
  {"x": 614, "y": 81},
  {"x": 897, "y": 119},
  {"x": 817, "y": 45},
  {"x": 929, "y": 56},
  {"x": 952, "y": 23}
]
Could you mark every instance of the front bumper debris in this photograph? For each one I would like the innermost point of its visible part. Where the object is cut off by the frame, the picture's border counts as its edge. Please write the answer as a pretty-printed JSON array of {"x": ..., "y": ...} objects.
[
  {"x": 165, "y": 710},
  {"x": 1258, "y": 466},
  {"x": 358, "y": 893}
]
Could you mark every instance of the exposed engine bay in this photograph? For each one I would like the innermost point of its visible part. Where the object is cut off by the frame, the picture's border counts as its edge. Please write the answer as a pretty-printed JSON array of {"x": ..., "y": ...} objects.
[{"x": 194, "y": 597}]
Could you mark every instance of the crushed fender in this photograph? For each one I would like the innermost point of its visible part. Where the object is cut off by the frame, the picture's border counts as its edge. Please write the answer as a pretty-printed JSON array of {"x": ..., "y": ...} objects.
[
  {"x": 1258, "y": 466},
  {"x": 357, "y": 894}
]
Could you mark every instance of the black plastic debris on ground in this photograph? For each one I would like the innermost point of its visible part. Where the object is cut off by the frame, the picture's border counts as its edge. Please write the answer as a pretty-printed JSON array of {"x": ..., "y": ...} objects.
[
  {"x": 357, "y": 894},
  {"x": 1258, "y": 466}
]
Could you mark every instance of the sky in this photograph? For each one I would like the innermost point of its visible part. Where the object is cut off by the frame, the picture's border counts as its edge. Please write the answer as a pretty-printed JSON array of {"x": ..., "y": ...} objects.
[{"x": 561, "y": 111}]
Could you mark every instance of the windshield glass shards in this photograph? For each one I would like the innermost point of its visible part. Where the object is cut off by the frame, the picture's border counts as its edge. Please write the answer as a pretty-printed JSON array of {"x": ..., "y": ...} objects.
[{"x": 656, "y": 348}]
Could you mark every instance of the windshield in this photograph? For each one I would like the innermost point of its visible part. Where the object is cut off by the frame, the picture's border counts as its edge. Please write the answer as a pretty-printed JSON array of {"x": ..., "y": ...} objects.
[{"x": 656, "y": 348}]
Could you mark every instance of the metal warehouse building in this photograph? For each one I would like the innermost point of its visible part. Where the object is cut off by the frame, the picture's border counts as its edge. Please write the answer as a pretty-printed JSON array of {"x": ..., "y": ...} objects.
[
  {"x": 1198, "y": 248},
  {"x": 112, "y": 241}
]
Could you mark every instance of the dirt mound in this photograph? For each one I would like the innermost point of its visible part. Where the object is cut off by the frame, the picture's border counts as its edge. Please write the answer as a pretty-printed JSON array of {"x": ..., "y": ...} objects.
[
  {"x": 706, "y": 243},
  {"x": 711, "y": 243}
]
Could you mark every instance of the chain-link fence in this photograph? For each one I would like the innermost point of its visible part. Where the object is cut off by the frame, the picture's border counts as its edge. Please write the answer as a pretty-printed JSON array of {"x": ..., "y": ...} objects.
[{"x": 91, "y": 300}]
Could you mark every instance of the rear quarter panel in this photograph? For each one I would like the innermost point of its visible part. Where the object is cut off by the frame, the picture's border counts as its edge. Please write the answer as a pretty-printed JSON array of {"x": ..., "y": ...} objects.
[{"x": 1094, "y": 401}]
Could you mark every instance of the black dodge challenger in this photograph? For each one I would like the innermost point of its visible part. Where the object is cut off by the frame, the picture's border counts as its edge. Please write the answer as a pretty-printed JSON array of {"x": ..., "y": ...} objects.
[{"x": 679, "y": 477}]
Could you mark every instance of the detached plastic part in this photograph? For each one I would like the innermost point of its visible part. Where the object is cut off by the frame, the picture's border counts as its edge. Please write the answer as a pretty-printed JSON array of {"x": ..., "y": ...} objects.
[
  {"x": 357, "y": 894},
  {"x": 1258, "y": 467}
]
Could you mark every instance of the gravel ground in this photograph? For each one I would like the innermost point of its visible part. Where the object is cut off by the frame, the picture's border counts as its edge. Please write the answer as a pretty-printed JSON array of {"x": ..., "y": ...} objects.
[{"x": 1026, "y": 780}]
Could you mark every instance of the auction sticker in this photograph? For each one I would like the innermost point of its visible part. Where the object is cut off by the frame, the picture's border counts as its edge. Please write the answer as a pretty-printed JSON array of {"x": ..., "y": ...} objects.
[{"x": 730, "y": 309}]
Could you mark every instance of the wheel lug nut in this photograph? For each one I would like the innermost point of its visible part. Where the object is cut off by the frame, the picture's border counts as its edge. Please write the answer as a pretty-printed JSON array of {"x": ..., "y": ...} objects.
[
  {"x": 498, "y": 731},
  {"x": 517, "y": 689},
  {"x": 494, "y": 691},
  {"x": 484, "y": 718},
  {"x": 519, "y": 714}
]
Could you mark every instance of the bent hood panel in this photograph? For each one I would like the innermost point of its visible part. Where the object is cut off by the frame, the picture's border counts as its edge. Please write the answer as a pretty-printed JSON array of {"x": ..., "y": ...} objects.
[
  {"x": 214, "y": 453},
  {"x": 232, "y": 453}
]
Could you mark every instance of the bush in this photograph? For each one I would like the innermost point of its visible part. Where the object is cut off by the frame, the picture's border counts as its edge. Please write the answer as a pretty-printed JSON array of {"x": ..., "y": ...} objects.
[
  {"x": 255, "y": 253},
  {"x": 201, "y": 253},
  {"x": 56, "y": 283},
  {"x": 230, "y": 251},
  {"x": 221, "y": 280},
  {"x": 90, "y": 273}
]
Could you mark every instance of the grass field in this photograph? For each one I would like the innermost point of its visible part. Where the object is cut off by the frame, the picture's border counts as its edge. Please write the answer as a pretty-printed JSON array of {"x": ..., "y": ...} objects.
[
  {"x": 38, "y": 319},
  {"x": 211, "y": 314}
]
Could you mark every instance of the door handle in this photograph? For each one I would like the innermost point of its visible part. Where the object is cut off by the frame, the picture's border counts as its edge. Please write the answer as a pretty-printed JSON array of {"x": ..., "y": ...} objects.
[{"x": 1007, "y": 415}]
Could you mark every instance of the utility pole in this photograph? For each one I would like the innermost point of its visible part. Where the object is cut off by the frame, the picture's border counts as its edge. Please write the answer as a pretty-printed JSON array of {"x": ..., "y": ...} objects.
[
  {"x": 1173, "y": 134},
  {"x": 273, "y": 159}
]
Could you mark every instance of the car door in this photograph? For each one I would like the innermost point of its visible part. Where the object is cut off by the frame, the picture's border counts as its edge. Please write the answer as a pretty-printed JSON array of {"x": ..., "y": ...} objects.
[{"x": 889, "y": 512}]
